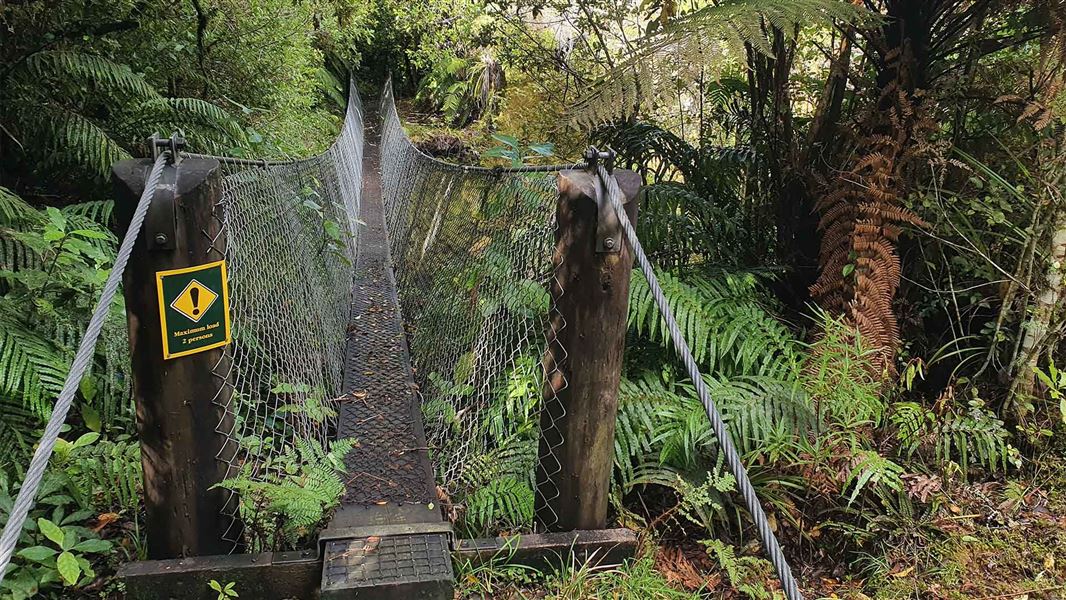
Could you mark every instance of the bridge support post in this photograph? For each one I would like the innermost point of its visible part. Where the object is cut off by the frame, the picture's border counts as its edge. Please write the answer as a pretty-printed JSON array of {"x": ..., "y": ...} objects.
[
  {"x": 590, "y": 293},
  {"x": 180, "y": 402}
]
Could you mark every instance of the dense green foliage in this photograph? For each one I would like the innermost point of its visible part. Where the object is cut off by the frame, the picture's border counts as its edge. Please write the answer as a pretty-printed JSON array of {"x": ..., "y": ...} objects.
[{"x": 856, "y": 211}]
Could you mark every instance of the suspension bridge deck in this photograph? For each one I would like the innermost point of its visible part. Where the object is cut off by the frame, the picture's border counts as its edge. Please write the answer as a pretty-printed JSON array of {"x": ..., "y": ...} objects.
[{"x": 387, "y": 537}]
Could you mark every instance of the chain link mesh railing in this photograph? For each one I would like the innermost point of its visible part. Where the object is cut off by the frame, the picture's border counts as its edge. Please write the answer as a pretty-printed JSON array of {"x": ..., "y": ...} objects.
[
  {"x": 472, "y": 253},
  {"x": 290, "y": 233}
]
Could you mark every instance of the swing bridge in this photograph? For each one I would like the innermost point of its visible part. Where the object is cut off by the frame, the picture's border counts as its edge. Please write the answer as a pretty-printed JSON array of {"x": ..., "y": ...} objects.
[{"x": 459, "y": 328}]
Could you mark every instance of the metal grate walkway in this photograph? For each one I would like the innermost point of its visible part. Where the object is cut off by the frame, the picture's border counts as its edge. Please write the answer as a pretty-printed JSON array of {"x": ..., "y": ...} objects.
[{"x": 387, "y": 539}]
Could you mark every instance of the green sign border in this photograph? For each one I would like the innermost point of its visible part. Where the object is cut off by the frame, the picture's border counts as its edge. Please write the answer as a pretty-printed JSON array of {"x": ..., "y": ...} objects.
[{"x": 174, "y": 325}]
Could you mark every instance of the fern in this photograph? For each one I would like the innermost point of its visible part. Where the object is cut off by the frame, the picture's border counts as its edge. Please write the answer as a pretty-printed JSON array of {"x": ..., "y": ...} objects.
[
  {"x": 969, "y": 438},
  {"x": 88, "y": 70},
  {"x": 748, "y": 574},
  {"x": 706, "y": 37},
  {"x": 300, "y": 487},
  {"x": 679, "y": 226},
  {"x": 15, "y": 211},
  {"x": 32, "y": 368},
  {"x": 504, "y": 504},
  {"x": 975, "y": 437},
  {"x": 723, "y": 321},
  {"x": 68, "y": 139},
  {"x": 107, "y": 475},
  {"x": 48, "y": 259},
  {"x": 664, "y": 425},
  {"x": 96, "y": 211},
  {"x": 699, "y": 209},
  {"x": 208, "y": 128},
  {"x": 870, "y": 469},
  {"x": 77, "y": 113}
]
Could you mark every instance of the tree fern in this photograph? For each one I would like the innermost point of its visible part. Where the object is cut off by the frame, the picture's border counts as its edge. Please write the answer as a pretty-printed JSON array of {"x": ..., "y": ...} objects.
[
  {"x": 207, "y": 127},
  {"x": 15, "y": 216},
  {"x": 678, "y": 227},
  {"x": 699, "y": 208},
  {"x": 72, "y": 69},
  {"x": 96, "y": 211},
  {"x": 662, "y": 155},
  {"x": 14, "y": 211},
  {"x": 708, "y": 37},
  {"x": 77, "y": 113},
  {"x": 66, "y": 139}
]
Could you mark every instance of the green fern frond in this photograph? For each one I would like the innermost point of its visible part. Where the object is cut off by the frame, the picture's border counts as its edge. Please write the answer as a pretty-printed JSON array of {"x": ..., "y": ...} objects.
[
  {"x": 207, "y": 126},
  {"x": 283, "y": 498},
  {"x": 871, "y": 470},
  {"x": 97, "y": 211},
  {"x": 680, "y": 227},
  {"x": 103, "y": 75},
  {"x": 14, "y": 211},
  {"x": 650, "y": 148},
  {"x": 505, "y": 504},
  {"x": 32, "y": 369},
  {"x": 709, "y": 37},
  {"x": 721, "y": 318},
  {"x": 514, "y": 457},
  {"x": 638, "y": 405},
  {"x": 108, "y": 474},
  {"x": 669, "y": 426},
  {"x": 70, "y": 140},
  {"x": 331, "y": 87},
  {"x": 16, "y": 425},
  {"x": 969, "y": 438},
  {"x": 975, "y": 438}
]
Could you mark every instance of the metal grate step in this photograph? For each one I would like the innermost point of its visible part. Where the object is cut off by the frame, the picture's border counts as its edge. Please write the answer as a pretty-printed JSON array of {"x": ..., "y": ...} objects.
[{"x": 394, "y": 566}]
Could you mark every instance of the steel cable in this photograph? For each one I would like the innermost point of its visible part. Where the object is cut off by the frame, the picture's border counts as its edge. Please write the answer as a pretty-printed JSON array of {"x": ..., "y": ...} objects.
[
  {"x": 82, "y": 359},
  {"x": 725, "y": 441}
]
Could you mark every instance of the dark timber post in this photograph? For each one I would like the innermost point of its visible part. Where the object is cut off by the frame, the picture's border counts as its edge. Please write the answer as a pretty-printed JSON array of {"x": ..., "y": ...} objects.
[
  {"x": 179, "y": 401},
  {"x": 583, "y": 361}
]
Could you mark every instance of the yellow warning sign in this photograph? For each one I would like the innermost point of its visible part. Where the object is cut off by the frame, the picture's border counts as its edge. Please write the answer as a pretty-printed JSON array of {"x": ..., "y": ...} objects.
[
  {"x": 193, "y": 309},
  {"x": 194, "y": 301}
]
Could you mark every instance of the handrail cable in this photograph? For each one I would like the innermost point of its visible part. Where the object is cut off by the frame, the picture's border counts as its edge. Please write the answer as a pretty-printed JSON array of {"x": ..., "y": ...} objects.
[
  {"x": 725, "y": 441},
  {"x": 82, "y": 360}
]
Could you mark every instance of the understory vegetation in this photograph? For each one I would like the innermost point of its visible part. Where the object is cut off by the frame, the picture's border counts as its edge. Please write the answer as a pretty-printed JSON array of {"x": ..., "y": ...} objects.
[{"x": 855, "y": 209}]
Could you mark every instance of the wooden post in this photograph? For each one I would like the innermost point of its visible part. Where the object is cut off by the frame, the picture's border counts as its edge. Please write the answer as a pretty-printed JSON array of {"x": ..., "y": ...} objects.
[
  {"x": 583, "y": 361},
  {"x": 179, "y": 401}
]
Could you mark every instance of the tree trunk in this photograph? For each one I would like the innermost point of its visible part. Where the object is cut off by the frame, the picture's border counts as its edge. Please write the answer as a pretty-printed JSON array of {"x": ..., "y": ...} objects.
[{"x": 1037, "y": 332}]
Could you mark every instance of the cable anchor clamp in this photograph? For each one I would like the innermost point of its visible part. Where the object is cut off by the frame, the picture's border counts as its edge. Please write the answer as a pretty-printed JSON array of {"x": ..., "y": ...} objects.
[
  {"x": 608, "y": 227},
  {"x": 174, "y": 145},
  {"x": 161, "y": 221}
]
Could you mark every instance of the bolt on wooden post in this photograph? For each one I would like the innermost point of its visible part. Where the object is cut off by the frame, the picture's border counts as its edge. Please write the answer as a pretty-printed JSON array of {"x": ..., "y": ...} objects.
[
  {"x": 583, "y": 361},
  {"x": 179, "y": 400}
]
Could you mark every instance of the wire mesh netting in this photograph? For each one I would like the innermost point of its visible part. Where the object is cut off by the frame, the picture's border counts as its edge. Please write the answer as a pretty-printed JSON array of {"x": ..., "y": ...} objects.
[
  {"x": 472, "y": 255},
  {"x": 290, "y": 243}
]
